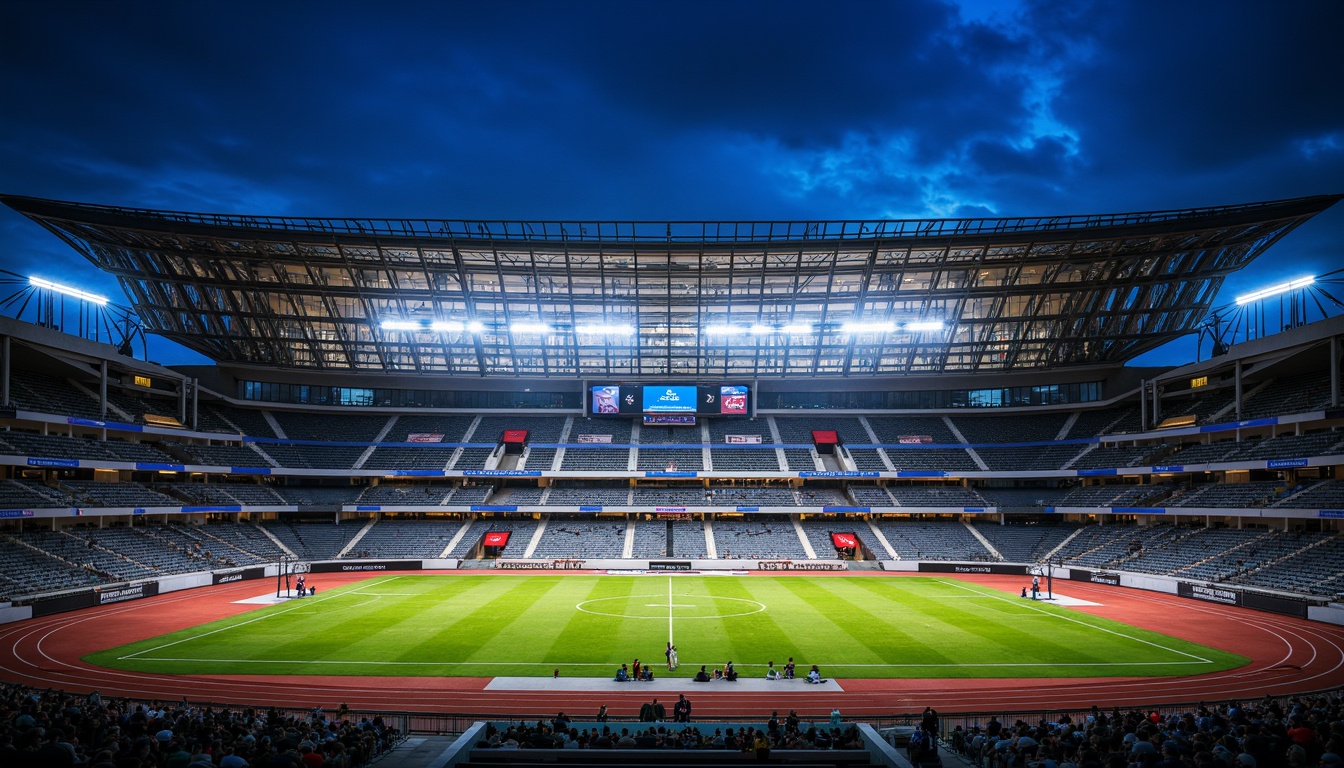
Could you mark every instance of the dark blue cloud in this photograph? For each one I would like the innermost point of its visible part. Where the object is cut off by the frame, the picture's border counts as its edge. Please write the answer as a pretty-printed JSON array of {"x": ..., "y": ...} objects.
[{"x": 618, "y": 110}]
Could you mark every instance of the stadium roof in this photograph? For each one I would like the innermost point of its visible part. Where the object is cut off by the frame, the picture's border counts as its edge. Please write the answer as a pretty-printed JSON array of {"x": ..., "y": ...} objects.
[{"x": 672, "y": 299}]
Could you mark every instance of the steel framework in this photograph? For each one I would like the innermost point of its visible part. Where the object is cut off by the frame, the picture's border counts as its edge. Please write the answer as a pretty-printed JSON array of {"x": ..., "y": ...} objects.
[{"x": 1011, "y": 294}]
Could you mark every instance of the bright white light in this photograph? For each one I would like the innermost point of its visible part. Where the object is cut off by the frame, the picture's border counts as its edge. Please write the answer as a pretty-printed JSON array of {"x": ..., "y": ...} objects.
[
  {"x": 720, "y": 330},
  {"x": 447, "y": 326},
  {"x": 598, "y": 329},
  {"x": 475, "y": 326},
  {"x": 925, "y": 325},
  {"x": 760, "y": 330},
  {"x": 92, "y": 298},
  {"x": 797, "y": 328},
  {"x": 869, "y": 327},
  {"x": 1275, "y": 290},
  {"x": 538, "y": 328},
  {"x": 400, "y": 325}
]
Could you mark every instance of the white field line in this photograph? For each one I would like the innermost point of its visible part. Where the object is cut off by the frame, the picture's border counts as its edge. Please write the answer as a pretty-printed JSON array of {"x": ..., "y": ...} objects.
[
  {"x": 298, "y": 603},
  {"x": 609, "y": 664},
  {"x": 1199, "y": 659}
]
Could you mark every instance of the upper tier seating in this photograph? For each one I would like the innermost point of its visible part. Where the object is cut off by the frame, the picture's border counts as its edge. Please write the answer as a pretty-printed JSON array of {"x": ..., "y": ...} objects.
[
  {"x": 1035, "y": 428},
  {"x": 1025, "y": 543},
  {"x": 406, "y": 538},
  {"x": 757, "y": 538},
  {"x": 581, "y": 538},
  {"x": 688, "y": 539},
  {"x": 932, "y": 540},
  {"x": 345, "y": 428},
  {"x": 313, "y": 541}
]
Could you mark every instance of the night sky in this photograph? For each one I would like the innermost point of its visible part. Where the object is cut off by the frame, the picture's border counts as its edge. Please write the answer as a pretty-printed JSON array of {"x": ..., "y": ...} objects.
[{"x": 674, "y": 110}]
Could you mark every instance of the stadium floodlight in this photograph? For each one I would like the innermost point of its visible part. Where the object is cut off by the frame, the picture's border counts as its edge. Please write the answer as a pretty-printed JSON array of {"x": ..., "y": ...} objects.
[
  {"x": 884, "y": 326},
  {"x": 924, "y": 325},
  {"x": 760, "y": 330},
  {"x": 721, "y": 330},
  {"x": 476, "y": 326},
  {"x": 401, "y": 325},
  {"x": 66, "y": 290},
  {"x": 600, "y": 329},
  {"x": 797, "y": 328},
  {"x": 1275, "y": 290},
  {"x": 538, "y": 328},
  {"x": 447, "y": 326}
]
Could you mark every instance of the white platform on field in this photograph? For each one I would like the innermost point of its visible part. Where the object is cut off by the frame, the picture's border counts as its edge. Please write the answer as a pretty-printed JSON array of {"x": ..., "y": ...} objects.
[{"x": 679, "y": 684}]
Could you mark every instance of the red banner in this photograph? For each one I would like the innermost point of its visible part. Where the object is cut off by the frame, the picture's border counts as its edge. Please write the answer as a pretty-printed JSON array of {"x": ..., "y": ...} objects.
[
  {"x": 825, "y": 437},
  {"x": 497, "y": 539},
  {"x": 515, "y": 435},
  {"x": 845, "y": 540}
]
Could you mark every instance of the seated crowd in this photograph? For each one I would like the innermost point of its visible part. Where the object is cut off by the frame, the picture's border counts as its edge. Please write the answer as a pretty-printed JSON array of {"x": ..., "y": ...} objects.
[
  {"x": 787, "y": 733},
  {"x": 46, "y": 729},
  {"x": 1298, "y": 732}
]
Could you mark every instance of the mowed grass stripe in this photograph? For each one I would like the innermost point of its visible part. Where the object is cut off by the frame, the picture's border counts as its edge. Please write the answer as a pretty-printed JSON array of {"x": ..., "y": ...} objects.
[
  {"x": 487, "y": 624},
  {"x": 860, "y": 635}
]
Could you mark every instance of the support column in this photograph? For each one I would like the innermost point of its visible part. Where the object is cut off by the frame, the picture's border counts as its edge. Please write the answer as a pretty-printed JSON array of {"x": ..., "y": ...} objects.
[
  {"x": 1237, "y": 374},
  {"x": 4, "y": 371},
  {"x": 182, "y": 400},
  {"x": 1335, "y": 371},
  {"x": 195, "y": 402},
  {"x": 102, "y": 389},
  {"x": 1143, "y": 405}
]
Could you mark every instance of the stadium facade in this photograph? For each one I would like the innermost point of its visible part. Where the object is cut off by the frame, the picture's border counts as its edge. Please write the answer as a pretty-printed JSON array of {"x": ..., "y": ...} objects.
[{"x": 492, "y": 376}]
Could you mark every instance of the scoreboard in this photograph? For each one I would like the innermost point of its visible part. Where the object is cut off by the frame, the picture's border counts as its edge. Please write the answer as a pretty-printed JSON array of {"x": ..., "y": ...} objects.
[{"x": 636, "y": 399}]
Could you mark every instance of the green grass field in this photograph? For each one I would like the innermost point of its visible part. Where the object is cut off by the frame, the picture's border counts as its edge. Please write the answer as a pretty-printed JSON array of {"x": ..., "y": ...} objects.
[{"x": 484, "y": 625}]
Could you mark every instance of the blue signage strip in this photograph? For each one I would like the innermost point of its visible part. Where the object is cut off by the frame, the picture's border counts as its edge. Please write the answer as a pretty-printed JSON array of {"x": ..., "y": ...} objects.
[
  {"x": 53, "y": 462},
  {"x": 1169, "y": 468},
  {"x": 1285, "y": 463},
  {"x": 922, "y": 473},
  {"x": 117, "y": 425},
  {"x": 250, "y": 470},
  {"x": 668, "y": 474},
  {"x": 1333, "y": 514},
  {"x": 1096, "y": 472},
  {"x": 369, "y": 508},
  {"x": 972, "y": 509},
  {"x": 7, "y": 513},
  {"x": 748, "y": 509},
  {"x": 212, "y": 508},
  {"x": 501, "y": 473},
  {"x": 1231, "y": 425},
  {"x": 1138, "y": 510},
  {"x": 418, "y": 472},
  {"x": 494, "y": 507},
  {"x": 154, "y": 466},
  {"x": 839, "y": 474},
  {"x": 589, "y": 508}
]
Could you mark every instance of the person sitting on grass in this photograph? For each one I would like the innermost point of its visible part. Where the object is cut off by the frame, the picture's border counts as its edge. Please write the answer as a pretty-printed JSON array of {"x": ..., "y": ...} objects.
[
  {"x": 646, "y": 675},
  {"x": 702, "y": 676},
  {"x": 623, "y": 674},
  {"x": 770, "y": 672},
  {"x": 788, "y": 669},
  {"x": 729, "y": 673},
  {"x": 814, "y": 675}
]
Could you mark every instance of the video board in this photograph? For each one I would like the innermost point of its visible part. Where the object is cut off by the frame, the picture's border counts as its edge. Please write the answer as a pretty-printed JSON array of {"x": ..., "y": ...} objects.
[{"x": 636, "y": 399}]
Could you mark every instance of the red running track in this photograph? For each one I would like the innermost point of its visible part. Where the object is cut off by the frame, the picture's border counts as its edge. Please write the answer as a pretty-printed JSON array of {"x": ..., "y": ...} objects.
[{"x": 1288, "y": 656}]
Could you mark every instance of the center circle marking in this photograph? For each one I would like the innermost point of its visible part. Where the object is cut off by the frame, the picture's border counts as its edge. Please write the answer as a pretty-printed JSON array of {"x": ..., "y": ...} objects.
[{"x": 746, "y": 610}]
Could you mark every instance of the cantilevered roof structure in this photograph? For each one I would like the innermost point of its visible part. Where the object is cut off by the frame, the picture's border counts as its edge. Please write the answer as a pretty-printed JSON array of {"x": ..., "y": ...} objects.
[{"x": 672, "y": 299}]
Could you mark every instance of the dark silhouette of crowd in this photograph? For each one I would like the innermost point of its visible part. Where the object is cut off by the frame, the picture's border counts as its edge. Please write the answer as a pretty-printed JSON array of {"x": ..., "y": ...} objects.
[
  {"x": 1296, "y": 732},
  {"x": 788, "y": 733},
  {"x": 48, "y": 729}
]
